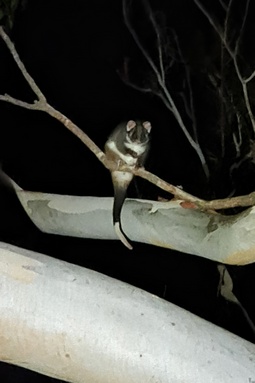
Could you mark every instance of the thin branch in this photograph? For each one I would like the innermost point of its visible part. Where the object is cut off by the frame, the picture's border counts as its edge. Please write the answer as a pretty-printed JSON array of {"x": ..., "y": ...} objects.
[
  {"x": 237, "y": 145},
  {"x": 248, "y": 105},
  {"x": 209, "y": 18},
  {"x": 195, "y": 202},
  {"x": 42, "y": 104},
  {"x": 126, "y": 80},
  {"x": 159, "y": 43},
  {"x": 228, "y": 9},
  {"x": 167, "y": 98},
  {"x": 238, "y": 141},
  {"x": 248, "y": 79},
  {"x": 23, "y": 104},
  {"x": 242, "y": 27},
  {"x": 232, "y": 54},
  {"x": 186, "y": 106},
  {"x": 131, "y": 84},
  {"x": 221, "y": 35},
  {"x": 190, "y": 90},
  {"x": 21, "y": 66},
  {"x": 140, "y": 46},
  {"x": 223, "y": 5},
  {"x": 222, "y": 101}
]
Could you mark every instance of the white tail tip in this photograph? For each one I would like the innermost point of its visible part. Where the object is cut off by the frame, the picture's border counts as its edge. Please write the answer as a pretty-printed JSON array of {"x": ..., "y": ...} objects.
[{"x": 122, "y": 236}]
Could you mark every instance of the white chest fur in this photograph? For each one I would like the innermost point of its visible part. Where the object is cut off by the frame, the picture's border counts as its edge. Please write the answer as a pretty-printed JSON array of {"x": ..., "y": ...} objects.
[
  {"x": 127, "y": 158},
  {"x": 139, "y": 149}
]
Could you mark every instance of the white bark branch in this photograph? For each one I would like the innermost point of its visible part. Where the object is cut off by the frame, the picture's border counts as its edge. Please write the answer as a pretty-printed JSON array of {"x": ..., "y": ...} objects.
[
  {"x": 224, "y": 239},
  {"x": 74, "y": 324}
]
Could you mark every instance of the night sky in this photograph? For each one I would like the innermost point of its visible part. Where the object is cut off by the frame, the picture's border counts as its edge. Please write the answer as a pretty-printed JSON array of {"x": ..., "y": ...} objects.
[{"x": 79, "y": 53}]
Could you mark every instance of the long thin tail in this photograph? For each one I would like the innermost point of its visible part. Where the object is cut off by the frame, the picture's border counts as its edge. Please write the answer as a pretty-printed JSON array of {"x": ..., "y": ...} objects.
[
  {"x": 119, "y": 198},
  {"x": 121, "y": 235}
]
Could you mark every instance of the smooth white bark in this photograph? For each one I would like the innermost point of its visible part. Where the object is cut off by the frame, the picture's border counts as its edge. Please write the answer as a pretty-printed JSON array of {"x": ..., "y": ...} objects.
[
  {"x": 78, "y": 325},
  {"x": 225, "y": 239}
]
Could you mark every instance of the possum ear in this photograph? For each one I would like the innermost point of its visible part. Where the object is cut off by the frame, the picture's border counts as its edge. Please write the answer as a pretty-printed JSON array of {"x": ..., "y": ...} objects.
[
  {"x": 147, "y": 126},
  {"x": 130, "y": 125}
]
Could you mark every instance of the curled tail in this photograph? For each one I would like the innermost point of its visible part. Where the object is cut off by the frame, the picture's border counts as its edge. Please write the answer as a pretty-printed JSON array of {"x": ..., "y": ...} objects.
[{"x": 119, "y": 198}]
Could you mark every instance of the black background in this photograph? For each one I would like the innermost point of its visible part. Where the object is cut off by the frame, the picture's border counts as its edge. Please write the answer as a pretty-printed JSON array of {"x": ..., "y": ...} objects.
[{"x": 75, "y": 52}]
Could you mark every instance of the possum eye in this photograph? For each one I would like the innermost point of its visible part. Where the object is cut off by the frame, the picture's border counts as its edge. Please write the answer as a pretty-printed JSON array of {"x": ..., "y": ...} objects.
[
  {"x": 147, "y": 126},
  {"x": 131, "y": 125}
]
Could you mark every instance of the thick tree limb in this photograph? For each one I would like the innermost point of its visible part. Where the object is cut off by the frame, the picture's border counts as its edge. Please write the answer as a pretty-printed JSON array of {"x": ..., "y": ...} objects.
[
  {"x": 74, "y": 324},
  {"x": 176, "y": 225}
]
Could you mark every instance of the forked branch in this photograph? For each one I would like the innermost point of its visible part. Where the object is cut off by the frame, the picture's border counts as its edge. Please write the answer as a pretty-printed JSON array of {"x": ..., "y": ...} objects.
[
  {"x": 233, "y": 53},
  {"x": 160, "y": 74}
]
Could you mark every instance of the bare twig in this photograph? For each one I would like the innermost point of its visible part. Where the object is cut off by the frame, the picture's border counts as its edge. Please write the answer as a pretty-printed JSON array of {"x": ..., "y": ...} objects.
[
  {"x": 242, "y": 28},
  {"x": 233, "y": 55},
  {"x": 185, "y": 103},
  {"x": 222, "y": 102},
  {"x": 228, "y": 12},
  {"x": 191, "y": 108},
  {"x": 42, "y": 104},
  {"x": 223, "y": 105},
  {"x": 126, "y": 80},
  {"x": 165, "y": 95},
  {"x": 223, "y": 5},
  {"x": 21, "y": 66},
  {"x": 159, "y": 42},
  {"x": 238, "y": 141},
  {"x": 249, "y": 78}
]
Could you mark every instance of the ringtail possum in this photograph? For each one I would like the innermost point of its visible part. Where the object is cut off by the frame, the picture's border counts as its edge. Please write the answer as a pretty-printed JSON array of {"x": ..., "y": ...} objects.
[{"x": 128, "y": 144}]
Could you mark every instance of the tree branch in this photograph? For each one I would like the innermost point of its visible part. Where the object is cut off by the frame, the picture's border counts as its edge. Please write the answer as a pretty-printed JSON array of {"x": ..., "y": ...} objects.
[
  {"x": 42, "y": 105},
  {"x": 78, "y": 325},
  {"x": 159, "y": 43},
  {"x": 21, "y": 66},
  {"x": 191, "y": 108},
  {"x": 165, "y": 95},
  {"x": 233, "y": 54}
]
